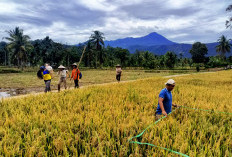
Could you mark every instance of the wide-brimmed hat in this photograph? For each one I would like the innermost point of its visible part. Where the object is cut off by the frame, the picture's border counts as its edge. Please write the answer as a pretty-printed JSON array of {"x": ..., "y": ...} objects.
[
  {"x": 118, "y": 65},
  {"x": 170, "y": 82},
  {"x": 74, "y": 64},
  {"x": 61, "y": 67}
]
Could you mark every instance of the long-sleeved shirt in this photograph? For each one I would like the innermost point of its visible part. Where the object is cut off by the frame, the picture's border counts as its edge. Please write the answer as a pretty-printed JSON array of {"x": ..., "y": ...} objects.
[{"x": 75, "y": 74}]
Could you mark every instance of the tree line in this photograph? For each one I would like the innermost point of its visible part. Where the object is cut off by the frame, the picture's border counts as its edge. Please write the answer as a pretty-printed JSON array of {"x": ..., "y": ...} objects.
[{"x": 21, "y": 51}]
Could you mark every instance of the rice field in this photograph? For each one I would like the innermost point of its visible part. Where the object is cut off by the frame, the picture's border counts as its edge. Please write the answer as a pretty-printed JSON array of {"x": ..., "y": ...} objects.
[
  {"x": 99, "y": 120},
  {"x": 90, "y": 77}
]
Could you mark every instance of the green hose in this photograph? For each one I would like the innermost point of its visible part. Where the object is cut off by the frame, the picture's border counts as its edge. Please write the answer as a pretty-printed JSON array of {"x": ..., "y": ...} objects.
[{"x": 170, "y": 150}]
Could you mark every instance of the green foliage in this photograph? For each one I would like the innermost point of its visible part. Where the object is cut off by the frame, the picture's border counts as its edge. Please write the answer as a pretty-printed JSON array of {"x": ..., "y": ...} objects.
[
  {"x": 224, "y": 46},
  {"x": 48, "y": 51},
  {"x": 216, "y": 61},
  {"x": 144, "y": 59},
  {"x": 229, "y": 21},
  {"x": 170, "y": 59},
  {"x": 22, "y": 52},
  {"x": 198, "y": 52},
  {"x": 4, "y": 54},
  {"x": 122, "y": 55},
  {"x": 18, "y": 46},
  {"x": 197, "y": 67},
  {"x": 229, "y": 60},
  {"x": 97, "y": 44}
]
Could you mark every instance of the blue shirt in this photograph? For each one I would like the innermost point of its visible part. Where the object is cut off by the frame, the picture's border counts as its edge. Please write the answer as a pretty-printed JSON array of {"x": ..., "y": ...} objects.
[{"x": 167, "y": 102}]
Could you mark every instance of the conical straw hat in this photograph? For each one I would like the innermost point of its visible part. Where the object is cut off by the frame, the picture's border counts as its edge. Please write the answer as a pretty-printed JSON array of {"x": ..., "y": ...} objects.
[{"x": 61, "y": 67}]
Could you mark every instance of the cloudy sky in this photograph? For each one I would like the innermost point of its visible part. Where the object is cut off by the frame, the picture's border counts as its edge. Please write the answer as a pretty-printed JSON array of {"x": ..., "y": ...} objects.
[{"x": 72, "y": 21}]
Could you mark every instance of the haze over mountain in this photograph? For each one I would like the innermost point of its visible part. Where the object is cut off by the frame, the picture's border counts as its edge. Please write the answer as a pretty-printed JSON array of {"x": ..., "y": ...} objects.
[{"x": 158, "y": 45}]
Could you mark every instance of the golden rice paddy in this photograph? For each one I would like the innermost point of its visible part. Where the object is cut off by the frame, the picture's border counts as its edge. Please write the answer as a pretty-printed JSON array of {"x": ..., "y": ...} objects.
[{"x": 99, "y": 120}]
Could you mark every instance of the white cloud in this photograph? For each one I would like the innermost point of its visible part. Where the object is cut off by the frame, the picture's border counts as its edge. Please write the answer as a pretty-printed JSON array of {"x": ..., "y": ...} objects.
[
  {"x": 73, "y": 21},
  {"x": 177, "y": 4},
  {"x": 177, "y": 35},
  {"x": 102, "y": 5},
  {"x": 8, "y": 7}
]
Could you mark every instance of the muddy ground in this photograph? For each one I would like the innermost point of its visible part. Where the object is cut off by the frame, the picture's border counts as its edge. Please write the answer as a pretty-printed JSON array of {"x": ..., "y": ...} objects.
[
  {"x": 32, "y": 90},
  {"x": 23, "y": 91}
]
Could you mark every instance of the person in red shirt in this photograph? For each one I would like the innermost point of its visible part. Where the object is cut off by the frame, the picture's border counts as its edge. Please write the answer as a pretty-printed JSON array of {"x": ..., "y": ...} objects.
[{"x": 75, "y": 75}]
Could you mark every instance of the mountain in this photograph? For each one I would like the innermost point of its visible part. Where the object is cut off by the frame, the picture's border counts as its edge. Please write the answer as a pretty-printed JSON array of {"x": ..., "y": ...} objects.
[
  {"x": 158, "y": 45},
  {"x": 148, "y": 40}
]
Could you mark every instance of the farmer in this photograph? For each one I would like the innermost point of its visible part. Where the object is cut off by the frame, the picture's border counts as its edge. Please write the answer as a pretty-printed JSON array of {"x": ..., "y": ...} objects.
[
  {"x": 47, "y": 78},
  {"x": 75, "y": 75},
  {"x": 63, "y": 75},
  {"x": 165, "y": 100},
  {"x": 118, "y": 72}
]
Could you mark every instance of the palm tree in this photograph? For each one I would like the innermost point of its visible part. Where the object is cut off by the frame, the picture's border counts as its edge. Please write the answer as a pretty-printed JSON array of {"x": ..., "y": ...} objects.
[
  {"x": 229, "y": 21},
  {"x": 97, "y": 42},
  {"x": 224, "y": 46},
  {"x": 18, "y": 45},
  {"x": 170, "y": 59}
]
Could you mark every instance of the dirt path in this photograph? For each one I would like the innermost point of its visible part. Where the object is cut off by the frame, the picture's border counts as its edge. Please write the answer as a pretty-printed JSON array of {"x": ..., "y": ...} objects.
[
  {"x": 37, "y": 92},
  {"x": 175, "y": 75},
  {"x": 169, "y": 76}
]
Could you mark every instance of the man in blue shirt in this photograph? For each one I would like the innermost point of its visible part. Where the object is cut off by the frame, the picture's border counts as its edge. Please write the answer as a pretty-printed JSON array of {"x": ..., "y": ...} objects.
[{"x": 165, "y": 100}]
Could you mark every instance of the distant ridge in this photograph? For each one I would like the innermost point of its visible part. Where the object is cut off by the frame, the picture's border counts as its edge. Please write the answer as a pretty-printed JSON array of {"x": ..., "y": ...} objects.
[
  {"x": 148, "y": 40},
  {"x": 158, "y": 45}
]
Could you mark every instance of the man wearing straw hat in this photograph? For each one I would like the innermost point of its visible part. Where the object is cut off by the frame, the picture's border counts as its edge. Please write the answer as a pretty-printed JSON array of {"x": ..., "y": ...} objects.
[
  {"x": 118, "y": 72},
  {"x": 63, "y": 75},
  {"x": 165, "y": 100}
]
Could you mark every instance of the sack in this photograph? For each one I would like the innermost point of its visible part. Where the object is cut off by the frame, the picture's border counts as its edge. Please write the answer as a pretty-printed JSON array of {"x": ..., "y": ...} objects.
[
  {"x": 80, "y": 75},
  {"x": 39, "y": 75},
  {"x": 49, "y": 68}
]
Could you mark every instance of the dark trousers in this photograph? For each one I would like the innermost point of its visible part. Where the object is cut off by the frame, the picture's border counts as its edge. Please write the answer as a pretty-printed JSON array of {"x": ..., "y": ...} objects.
[
  {"x": 76, "y": 83},
  {"x": 47, "y": 86},
  {"x": 118, "y": 77}
]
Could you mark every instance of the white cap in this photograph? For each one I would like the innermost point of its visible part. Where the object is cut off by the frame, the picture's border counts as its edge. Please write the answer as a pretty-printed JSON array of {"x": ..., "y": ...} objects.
[{"x": 170, "y": 81}]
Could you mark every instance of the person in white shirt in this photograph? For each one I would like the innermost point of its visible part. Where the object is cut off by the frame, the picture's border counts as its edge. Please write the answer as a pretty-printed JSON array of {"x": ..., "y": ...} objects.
[
  {"x": 63, "y": 75},
  {"x": 118, "y": 72}
]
